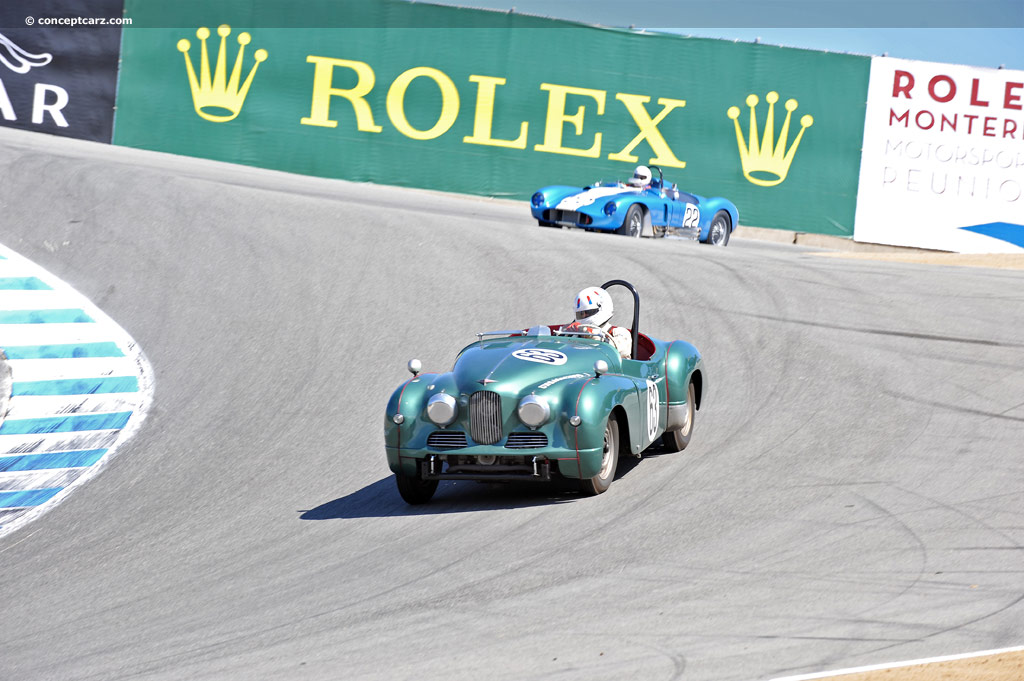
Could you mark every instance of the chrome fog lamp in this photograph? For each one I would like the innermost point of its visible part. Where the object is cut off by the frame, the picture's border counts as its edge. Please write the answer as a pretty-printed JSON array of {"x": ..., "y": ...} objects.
[
  {"x": 575, "y": 421},
  {"x": 398, "y": 419},
  {"x": 533, "y": 411},
  {"x": 441, "y": 409}
]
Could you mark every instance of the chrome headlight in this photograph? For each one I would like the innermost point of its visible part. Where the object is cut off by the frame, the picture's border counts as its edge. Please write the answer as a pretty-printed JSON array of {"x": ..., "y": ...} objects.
[
  {"x": 533, "y": 411},
  {"x": 441, "y": 409},
  {"x": 537, "y": 199}
]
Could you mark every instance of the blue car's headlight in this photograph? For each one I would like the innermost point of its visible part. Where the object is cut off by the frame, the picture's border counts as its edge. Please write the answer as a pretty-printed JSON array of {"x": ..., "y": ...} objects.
[
  {"x": 609, "y": 208},
  {"x": 537, "y": 199}
]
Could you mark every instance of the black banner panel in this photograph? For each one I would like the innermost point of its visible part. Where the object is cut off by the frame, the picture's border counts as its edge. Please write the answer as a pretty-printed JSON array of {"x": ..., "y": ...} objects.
[{"x": 58, "y": 66}]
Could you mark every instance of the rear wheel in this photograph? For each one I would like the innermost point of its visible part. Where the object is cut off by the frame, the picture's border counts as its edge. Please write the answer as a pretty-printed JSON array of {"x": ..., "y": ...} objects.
[
  {"x": 609, "y": 461},
  {"x": 676, "y": 440},
  {"x": 718, "y": 232},
  {"x": 414, "y": 489},
  {"x": 634, "y": 222}
]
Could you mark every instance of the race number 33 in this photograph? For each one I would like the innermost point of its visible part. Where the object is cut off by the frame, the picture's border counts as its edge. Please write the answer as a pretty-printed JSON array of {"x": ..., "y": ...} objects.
[{"x": 552, "y": 357}]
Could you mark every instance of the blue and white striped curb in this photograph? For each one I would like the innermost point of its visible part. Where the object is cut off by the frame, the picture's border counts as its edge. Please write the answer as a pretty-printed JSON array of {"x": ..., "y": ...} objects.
[{"x": 80, "y": 387}]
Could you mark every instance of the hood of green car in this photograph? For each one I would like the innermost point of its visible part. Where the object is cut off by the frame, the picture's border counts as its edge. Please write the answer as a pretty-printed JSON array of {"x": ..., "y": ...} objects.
[{"x": 519, "y": 365}]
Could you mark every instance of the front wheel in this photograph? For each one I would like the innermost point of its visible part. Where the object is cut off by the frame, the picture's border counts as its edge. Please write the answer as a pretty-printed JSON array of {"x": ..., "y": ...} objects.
[
  {"x": 609, "y": 461},
  {"x": 677, "y": 440},
  {"x": 718, "y": 232},
  {"x": 414, "y": 489},
  {"x": 633, "y": 225}
]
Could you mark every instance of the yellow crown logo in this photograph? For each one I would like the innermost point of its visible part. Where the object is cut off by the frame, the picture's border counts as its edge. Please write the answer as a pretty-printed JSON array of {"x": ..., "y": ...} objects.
[
  {"x": 219, "y": 99},
  {"x": 766, "y": 163}
]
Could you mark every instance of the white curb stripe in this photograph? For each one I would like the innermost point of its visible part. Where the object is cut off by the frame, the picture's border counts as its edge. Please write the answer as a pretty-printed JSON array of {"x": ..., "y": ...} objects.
[
  {"x": 25, "y": 370},
  {"x": 36, "y": 406}
]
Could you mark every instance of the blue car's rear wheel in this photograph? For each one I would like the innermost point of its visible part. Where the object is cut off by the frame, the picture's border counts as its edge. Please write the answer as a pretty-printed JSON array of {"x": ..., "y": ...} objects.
[
  {"x": 634, "y": 222},
  {"x": 609, "y": 461},
  {"x": 718, "y": 232}
]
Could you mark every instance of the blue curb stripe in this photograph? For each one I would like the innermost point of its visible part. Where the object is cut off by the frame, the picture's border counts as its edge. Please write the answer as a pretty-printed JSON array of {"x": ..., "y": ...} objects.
[
  {"x": 65, "y": 424},
  {"x": 28, "y": 497},
  {"x": 77, "y": 386},
  {"x": 23, "y": 284},
  {"x": 69, "y": 351},
  {"x": 39, "y": 462},
  {"x": 45, "y": 317}
]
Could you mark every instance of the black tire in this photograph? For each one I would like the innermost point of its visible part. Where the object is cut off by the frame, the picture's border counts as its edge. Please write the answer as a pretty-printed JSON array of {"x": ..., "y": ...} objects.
[
  {"x": 415, "y": 490},
  {"x": 721, "y": 227},
  {"x": 633, "y": 224},
  {"x": 677, "y": 440},
  {"x": 609, "y": 462}
]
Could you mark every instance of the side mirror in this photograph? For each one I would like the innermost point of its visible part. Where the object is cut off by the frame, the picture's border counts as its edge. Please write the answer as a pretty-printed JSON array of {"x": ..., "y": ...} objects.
[{"x": 415, "y": 366}]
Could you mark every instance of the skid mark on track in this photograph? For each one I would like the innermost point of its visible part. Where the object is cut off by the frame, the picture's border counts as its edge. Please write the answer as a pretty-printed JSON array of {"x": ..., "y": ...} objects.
[{"x": 79, "y": 387}]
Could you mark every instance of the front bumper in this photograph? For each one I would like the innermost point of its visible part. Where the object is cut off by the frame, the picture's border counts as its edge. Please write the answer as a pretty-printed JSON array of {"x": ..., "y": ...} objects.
[
  {"x": 581, "y": 219},
  {"x": 491, "y": 463}
]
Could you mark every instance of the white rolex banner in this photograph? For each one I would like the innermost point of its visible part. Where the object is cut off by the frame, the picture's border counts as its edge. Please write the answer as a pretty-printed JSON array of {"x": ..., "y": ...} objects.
[{"x": 942, "y": 165}]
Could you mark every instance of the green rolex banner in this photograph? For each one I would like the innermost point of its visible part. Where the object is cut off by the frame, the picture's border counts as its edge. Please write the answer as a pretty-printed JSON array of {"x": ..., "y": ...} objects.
[{"x": 493, "y": 103}]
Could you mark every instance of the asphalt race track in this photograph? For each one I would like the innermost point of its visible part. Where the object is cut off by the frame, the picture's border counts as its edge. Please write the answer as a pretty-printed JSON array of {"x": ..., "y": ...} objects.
[{"x": 854, "y": 492}]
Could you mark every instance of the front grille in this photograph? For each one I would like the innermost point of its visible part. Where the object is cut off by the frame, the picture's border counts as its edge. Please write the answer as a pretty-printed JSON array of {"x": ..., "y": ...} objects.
[
  {"x": 485, "y": 417},
  {"x": 556, "y": 215},
  {"x": 526, "y": 440},
  {"x": 446, "y": 439}
]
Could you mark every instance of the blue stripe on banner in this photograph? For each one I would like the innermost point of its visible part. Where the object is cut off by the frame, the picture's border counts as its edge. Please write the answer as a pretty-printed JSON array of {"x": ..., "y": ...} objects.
[
  {"x": 65, "y": 424},
  {"x": 23, "y": 284},
  {"x": 69, "y": 351},
  {"x": 1004, "y": 231},
  {"x": 44, "y": 317},
  {"x": 39, "y": 462},
  {"x": 28, "y": 497},
  {"x": 77, "y": 386}
]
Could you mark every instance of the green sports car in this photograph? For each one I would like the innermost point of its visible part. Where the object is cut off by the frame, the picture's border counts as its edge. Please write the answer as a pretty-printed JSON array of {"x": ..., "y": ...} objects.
[{"x": 544, "y": 402}]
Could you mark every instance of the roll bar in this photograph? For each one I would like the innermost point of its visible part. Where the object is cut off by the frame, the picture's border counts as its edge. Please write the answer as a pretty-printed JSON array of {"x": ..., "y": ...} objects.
[{"x": 636, "y": 309}]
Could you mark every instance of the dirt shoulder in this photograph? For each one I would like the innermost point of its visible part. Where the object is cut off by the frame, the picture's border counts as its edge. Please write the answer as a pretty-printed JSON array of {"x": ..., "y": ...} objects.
[
  {"x": 997, "y": 666},
  {"x": 839, "y": 247}
]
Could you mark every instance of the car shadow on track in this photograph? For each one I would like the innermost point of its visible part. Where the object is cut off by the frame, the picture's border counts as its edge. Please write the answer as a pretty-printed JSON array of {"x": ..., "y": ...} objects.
[{"x": 380, "y": 499}]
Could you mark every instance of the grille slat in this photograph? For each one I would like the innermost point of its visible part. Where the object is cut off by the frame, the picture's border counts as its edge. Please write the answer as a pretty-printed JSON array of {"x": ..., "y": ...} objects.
[
  {"x": 485, "y": 417},
  {"x": 526, "y": 441},
  {"x": 446, "y": 439}
]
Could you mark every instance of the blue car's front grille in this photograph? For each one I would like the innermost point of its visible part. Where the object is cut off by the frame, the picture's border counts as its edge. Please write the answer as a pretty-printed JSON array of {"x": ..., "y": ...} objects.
[
  {"x": 571, "y": 216},
  {"x": 485, "y": 417}
]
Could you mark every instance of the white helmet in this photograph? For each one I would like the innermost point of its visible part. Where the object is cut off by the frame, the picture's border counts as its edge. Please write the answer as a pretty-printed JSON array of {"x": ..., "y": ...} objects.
[
  {"x": 641, "y": 177},
  {"x": 594, "y": 306}
]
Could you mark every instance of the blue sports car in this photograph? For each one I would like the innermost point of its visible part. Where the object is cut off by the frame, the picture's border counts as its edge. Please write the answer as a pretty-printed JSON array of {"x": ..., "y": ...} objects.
[{"x": 641, "y": 206}]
